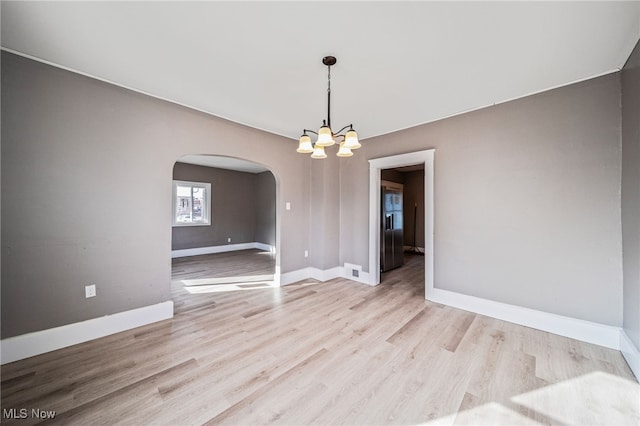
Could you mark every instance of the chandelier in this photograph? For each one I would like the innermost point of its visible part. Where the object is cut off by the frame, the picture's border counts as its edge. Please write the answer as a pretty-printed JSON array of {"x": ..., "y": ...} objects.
[{"x": 325, "y": 136}]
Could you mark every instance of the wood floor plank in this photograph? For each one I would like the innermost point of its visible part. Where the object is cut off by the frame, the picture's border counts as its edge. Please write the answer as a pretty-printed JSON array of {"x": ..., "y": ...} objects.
[
  {"x": 457, "y": 331},
  {"x": 365, "y": 369},
  {"x": 246, "y": 407}
]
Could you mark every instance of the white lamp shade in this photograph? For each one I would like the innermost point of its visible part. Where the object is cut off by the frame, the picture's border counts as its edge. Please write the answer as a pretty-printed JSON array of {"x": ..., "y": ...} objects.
[
  {"x": 351, "y": 140},
  {"x": 318, "y": 152},
  {"x": 325, "y": 137},
  {"x": 305, "y": 147},
  {"x": 344, "y": 151}
]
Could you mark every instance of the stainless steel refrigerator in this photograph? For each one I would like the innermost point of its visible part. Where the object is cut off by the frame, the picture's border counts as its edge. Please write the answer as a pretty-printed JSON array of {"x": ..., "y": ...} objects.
[{"x": 392, "y": 237}]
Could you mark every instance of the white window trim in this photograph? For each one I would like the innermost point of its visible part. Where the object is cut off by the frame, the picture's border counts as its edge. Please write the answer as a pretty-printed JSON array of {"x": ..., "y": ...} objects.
[{"x": 206, "y": 186}]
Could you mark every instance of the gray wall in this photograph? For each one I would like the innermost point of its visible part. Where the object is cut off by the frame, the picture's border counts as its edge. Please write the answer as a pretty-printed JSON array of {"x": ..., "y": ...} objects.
[
  {"x": 76, "y": 155},
  {"x": 631, "y": 194},
  {"x": 242, "y": 208},
  {"x": 527, "y": 200},
  {"x": 324, "y": 212},
  {"x": 265, "y": 217},
  {"x": 414, "y": 208}
]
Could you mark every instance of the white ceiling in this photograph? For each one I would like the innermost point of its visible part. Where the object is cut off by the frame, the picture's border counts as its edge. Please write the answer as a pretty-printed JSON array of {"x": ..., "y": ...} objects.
[{"x": 259, "y": 63}]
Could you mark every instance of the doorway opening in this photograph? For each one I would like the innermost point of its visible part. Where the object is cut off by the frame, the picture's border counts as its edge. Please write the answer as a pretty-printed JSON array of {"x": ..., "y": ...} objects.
[
  {"x": 402, "y": 224},
  {"x": 423, "y": 159},
  {"x": 224, "y": 227}
]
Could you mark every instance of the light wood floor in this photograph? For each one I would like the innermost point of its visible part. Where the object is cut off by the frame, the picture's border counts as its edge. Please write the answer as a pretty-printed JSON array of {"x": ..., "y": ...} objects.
[
  {"x": 325, "y": 353},
  {"x": 233, "y": 266}
]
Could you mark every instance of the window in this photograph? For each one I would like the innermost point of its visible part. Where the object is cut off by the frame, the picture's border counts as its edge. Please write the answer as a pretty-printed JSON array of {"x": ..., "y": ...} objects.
[{"x": 191, "y": 203}]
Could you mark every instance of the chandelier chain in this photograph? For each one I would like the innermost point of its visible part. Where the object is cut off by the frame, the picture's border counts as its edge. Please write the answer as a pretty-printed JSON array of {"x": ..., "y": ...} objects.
[{"x": 329, "y": 96}]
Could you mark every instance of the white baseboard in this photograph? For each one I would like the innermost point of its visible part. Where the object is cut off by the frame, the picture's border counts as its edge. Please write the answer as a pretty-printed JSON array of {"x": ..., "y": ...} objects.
[
  {"x": 265, "y": 247},
  {"x": 323, "y": 275},
  {"x": 409, "y": 248},
  {"x": 295, "y": 276},
  {"x": 309, "y": 273},
  {"x": 631, "y": 353},
  {"x": 586, "y": 331},
  {"x": 348, "y": 271},
  {"x": 221, "y": 249},
  {"x": 326, "y": 274},
  {"x": 39, "y": 342}
]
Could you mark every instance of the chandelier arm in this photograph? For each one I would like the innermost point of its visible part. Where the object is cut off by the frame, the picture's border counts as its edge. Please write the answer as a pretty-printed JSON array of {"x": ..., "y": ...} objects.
[
  {"x": 344, "y": 128},
  {"x": 310, "y": 131}
]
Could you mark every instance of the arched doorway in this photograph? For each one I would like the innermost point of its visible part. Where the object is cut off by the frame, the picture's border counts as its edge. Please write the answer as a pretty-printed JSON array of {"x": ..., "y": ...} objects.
[{"x": 224, "y": 227}]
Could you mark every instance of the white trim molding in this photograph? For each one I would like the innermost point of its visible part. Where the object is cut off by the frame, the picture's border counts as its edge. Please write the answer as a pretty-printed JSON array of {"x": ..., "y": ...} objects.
[
  {"x": 411, "y": 248},
  {"x": 326, "y": 274},
  {"x": 630, "y": 353},
  {"x": 265, "y": 247},
  {"x": 586, "y": 331},
  {"x": 425, "y": 157},
  {"x": 347, "y": 272},
  {"x": 39, "y": 342},
  {"x": 221, "y": 249},
  {"x": 287, "y": 278},
  {"x": 310, "y": 273},
  {"x": 206, "y": 216},
  {"x": 323, "y": 275}
]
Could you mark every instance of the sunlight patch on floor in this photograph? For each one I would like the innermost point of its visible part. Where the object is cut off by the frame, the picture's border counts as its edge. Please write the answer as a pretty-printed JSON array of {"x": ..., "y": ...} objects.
[
  {"x": 228, "y": 280},
  {"x": 217, "y": 285},
  {"x": 491, "y": 413},
  {"x": 217, "y": 288},
  {"x": 596, "y": 398}
]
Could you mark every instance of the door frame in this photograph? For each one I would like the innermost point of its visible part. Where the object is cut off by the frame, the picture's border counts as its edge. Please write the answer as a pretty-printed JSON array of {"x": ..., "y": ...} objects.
[{"x": 425, "y": 157}]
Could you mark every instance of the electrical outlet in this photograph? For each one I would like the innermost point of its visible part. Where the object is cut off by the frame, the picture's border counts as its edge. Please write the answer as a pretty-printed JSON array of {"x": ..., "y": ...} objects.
[
  {"x": 306, "y": 253},
  {"x": 90, "y": 291},
  {"x": 229, "y": 239}
]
